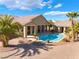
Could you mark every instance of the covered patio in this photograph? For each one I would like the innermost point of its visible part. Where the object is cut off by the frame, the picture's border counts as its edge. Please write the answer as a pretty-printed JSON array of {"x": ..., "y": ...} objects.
[
  {"x": 62, "y": 26},
  {"x": 33, "y": 25}
]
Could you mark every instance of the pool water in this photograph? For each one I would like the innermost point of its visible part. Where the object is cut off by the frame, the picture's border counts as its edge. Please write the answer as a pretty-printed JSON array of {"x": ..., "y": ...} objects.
[{"x": 52, "y": 37}]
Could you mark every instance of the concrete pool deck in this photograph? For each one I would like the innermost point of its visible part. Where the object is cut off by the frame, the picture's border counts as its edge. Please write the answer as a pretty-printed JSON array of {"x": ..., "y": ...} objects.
[{"x": 66, "y": 51}]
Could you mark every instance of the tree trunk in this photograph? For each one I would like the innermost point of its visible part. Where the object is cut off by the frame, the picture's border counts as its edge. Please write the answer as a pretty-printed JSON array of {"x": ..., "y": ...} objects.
[
  {"x": 73, "y": 33},
  {"x": 5, "y": 41}
]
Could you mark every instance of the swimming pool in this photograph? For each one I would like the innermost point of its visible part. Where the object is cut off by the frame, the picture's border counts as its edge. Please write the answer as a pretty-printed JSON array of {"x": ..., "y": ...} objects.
[{"x": 52, "y": 37}]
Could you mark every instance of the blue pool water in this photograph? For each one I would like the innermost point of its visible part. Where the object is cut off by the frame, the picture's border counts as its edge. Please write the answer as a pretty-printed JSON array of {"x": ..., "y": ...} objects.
[{"x": 52, "y": 37}]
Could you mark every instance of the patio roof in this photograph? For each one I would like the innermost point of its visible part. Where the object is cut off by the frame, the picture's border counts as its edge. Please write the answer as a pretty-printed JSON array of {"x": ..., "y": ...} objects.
[
  {"x": 62, "y": 23},
  {"x": 32, "y": 20}
]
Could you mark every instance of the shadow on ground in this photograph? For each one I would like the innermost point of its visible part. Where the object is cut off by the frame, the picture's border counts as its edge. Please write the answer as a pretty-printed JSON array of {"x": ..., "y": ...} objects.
[{"x": 28, "y": 49}]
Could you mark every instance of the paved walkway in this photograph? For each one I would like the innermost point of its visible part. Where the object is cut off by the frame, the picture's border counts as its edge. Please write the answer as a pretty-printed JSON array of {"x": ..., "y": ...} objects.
[{"x": 66, "y": 51}]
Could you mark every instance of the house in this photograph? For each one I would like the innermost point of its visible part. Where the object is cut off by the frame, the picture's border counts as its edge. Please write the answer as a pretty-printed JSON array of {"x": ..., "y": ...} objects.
[{"x": 32, "y": 25}]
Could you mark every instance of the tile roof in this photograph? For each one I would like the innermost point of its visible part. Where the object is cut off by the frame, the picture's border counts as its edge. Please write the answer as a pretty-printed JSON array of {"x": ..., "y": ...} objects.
[
  {"x": 33, "y": 20},
  {"x": 24, "y": 19},
  {"x": 62, "y": 23}
]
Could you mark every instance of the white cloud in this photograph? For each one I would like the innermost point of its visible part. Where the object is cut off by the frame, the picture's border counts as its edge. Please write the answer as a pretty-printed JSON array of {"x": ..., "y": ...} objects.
[
  {"x": 25, "y": 4},
  {"x": 55, "y": 13},
  {"x": 58, "y": 5},
  {"x": 50, "y": 7}
]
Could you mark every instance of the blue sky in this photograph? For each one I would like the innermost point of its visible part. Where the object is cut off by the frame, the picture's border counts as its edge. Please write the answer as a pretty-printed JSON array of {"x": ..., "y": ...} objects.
[{"x": 51, "y": 9}]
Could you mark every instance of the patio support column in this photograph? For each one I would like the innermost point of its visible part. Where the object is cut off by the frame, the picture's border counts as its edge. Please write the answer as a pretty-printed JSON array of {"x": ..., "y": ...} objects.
[
  {"x": 43, "y": 28},
  {"x": 40, "y": 29},
  {"x": 64, "y": 29},
  {"x": 49, "y": 27},
  {"x": 46, "y": 27},
  {"x": 58, "y": 29},
  {"x": 35, "y": 30},
  {"x": 24, "y": 31},
  {"x": 31, "y": 30}
]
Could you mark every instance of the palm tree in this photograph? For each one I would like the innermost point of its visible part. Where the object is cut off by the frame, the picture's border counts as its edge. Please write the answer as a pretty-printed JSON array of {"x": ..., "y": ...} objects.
[
  {"x": 8, "y": 27},
  {"x": 76, "y": 27},
  {"x": 71, "y": 16}
]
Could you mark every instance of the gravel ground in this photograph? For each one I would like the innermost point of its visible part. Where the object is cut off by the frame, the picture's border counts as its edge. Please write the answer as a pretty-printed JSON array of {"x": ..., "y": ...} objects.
[{"x": 25, "y": 51}]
